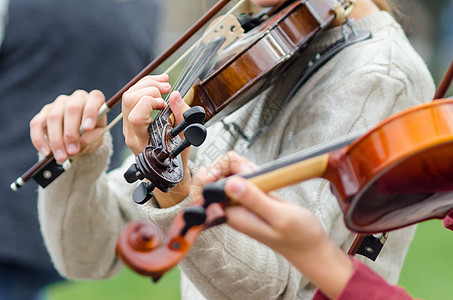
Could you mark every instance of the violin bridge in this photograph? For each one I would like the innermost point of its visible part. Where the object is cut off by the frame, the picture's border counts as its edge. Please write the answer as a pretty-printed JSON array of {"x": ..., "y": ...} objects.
[{"x": 226, "y": 26}]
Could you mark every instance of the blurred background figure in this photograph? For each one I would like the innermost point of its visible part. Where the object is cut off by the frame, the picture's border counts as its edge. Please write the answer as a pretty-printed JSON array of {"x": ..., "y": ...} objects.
[
  {"x": 428, "y": 26},
  {"x": 50, "y": 47}
]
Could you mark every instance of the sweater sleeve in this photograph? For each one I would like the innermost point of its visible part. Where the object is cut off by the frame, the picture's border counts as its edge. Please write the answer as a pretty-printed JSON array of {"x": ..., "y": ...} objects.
[
  {"x": 366, "y": 284},
  {"x": 81, "y": 214}
]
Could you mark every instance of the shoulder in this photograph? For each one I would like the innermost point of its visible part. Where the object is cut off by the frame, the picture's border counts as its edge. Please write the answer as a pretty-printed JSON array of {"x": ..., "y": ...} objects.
[{"x": 387, "y": 54}]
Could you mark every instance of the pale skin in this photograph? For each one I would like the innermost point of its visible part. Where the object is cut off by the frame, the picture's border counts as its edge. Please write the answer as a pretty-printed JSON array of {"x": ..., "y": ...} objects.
[
  {"x": 291, "y": 230},
  {"x": 56, "y": 127}
]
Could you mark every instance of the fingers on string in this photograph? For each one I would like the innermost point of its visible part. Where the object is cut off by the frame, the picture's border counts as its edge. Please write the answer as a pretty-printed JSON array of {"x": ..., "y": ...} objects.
[
  {"x": 147, "y": 94},
  {"x": 245, "y": 193},
  {"x": 139, "y": 118},
  {"x": 159, "y": 81},
  {"x": 178, "y": 106},
  {"x": 228, "y": 164}
]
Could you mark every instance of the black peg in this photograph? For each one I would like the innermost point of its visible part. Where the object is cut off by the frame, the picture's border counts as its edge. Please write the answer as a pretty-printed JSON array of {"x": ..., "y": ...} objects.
[
  {"x": 194, "y": 115},
  {"x": 143, "y": 192},
  {"x": 194, "y": 134},
  {"x": 193, "y": 216},
  {"x": 214, "y": 193},
  {"x": 133, "y": 174}
]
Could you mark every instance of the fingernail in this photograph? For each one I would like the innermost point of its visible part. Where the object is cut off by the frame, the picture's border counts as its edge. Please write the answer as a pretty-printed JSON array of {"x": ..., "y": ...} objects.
[
  {"x": 72, "y": 149},
  {"x": 59, "y": 155},
  {"x": 236, "y": 188},
  {"x": 88, "y": 123},
  {"x": 179, "y": 99},
  {"x": 165, "y": 85},
  {"x": 44, "y": 151}
]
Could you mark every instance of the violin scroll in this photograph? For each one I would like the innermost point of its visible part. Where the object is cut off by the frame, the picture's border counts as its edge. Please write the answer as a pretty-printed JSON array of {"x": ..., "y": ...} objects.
[{"x": 143, "y": 248}]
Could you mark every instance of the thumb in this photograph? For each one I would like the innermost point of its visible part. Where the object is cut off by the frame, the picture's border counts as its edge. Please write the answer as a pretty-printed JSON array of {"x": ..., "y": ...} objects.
[{"x": 178, "y": 106}]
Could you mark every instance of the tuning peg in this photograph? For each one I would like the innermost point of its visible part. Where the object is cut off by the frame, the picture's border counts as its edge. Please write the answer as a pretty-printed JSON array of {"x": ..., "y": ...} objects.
[
  {"x": 193, "y": 216},
  {"x": 143, "y": 192},
  {"x": 195, "y": 135},
  {"x": 133, "y": 174},
  {"x": 194, "y": 115},
  {"x": 214, "y": 193}
]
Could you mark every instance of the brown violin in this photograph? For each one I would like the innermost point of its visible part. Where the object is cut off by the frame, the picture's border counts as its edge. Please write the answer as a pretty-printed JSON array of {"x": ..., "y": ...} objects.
[{"x": 238, "y": 74}]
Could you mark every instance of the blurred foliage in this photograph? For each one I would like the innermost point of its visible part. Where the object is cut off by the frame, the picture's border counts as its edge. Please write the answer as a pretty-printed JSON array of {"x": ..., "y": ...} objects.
[
  {"x": 426, "y": 272},
  {"x": 126, "y": 285}
]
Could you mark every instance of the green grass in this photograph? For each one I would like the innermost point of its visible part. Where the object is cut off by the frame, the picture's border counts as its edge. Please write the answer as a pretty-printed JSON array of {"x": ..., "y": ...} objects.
[
  {"x": 426, "y": 274},
  {"x": 126, "y": 285},
  {"x": 427, "y": 270}
]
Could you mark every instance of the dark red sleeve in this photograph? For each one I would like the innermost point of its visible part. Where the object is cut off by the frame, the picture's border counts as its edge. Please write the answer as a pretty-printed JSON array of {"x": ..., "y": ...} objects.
[
  {"x": 366, "y": 284},
  {"x": 448, "y": 221}
]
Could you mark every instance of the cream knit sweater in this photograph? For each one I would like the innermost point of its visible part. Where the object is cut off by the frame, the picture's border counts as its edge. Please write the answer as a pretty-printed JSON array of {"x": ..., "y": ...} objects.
[{"x": 82, "y": 212}]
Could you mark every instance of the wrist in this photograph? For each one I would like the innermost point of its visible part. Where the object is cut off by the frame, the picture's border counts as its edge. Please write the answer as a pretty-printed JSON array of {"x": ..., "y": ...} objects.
[{"x": 327, "y": 266}]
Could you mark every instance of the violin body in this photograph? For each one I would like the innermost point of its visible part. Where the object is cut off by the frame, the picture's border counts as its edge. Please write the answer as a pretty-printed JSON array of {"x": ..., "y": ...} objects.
[
  {"x": 252, "y": 64},
  {"x": 384, "y": 180}
]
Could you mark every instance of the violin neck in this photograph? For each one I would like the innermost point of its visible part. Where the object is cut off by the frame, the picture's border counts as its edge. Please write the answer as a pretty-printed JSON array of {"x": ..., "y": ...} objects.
[{"x": 304, "y": 170}]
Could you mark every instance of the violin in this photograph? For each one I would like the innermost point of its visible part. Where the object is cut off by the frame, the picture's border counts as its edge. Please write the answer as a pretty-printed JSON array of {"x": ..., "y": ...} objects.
[
  {"x": 239, "y": 73},
  {"x": 384, "y": 179}
]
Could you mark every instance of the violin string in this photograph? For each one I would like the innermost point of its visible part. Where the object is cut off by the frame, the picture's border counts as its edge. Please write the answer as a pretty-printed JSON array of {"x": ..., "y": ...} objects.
[
  {"x": 159, "y": 119},
  {"x": 210, "y": 29},
  {"x": 175, "y": 63},
  {"x": 194, "y": 52},
  {"x": 180, "y": 81},
  {"x": 204, "y": 56}
]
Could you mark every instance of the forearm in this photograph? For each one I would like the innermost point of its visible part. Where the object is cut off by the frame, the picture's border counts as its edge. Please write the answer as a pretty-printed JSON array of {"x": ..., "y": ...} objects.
[
  {"x": 327, "y": 266},
  {"x": 81, "y": 215}
]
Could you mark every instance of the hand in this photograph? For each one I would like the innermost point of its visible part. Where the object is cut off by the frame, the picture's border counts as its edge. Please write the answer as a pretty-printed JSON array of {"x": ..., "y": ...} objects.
[
  {"x": 287, "y": 228},
  {"x": 229, "y": 164},
  {"x": 291, "y": 230},
  {"x": 56, "y": 127},
  {"x": 138, "y": 104}
]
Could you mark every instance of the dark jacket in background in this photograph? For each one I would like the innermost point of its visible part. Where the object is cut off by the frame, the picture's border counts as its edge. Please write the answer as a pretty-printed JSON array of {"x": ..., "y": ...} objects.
[{"x": 54, "y": 47}]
